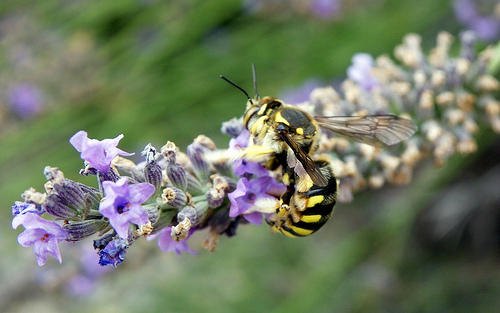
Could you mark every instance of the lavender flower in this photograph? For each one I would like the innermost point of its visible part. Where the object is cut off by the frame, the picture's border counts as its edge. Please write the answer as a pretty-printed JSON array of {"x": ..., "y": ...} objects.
[
  {"x": 98, "y": 153},
  {"x": 325, "y": 8},
  {"x": 251, "y": 198},
  {"x": 233, "y": 127},
  {"x": 43, "y": 235},
  {"x": 114, "y": 252},
  {"x": 122, "y": 204},
  {"x": 25, "y": 100},
  {"x": 20, "y": 208},
  {"x": 196, "y": 152},
  {"x": 486, "y": 27},
  {"x": 240, "y": 165},
  {"x": 361, "y": 71},
  {"x": 167, "y": 244},
  {"x": 152, "y": 171}
]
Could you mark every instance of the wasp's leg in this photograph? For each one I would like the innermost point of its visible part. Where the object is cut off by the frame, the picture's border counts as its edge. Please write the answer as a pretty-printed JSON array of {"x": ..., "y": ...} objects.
[
  {"x": 289, "y": 181},
  {"x": 258, "y": 153}
]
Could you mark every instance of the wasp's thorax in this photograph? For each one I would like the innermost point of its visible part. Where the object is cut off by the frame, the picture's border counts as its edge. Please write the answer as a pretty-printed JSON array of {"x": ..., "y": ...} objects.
[{"x": 269, "y": 116}]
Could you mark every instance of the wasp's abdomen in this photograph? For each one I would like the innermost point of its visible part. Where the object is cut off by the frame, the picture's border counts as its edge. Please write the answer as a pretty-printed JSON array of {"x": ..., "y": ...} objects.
[{"x": 310, "y": 210}]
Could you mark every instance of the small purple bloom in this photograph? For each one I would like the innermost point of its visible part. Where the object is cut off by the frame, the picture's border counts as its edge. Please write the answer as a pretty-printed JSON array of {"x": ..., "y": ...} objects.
[
  {"x": 241, "y": 141},
  {"x": 114, "y": 252},
  {"x": 325, "y": 8},
  {"x": 25, "y": 99},
  {"x": 233, "y": 127},
  {"x": 247, "y": 193},
  {"x": 167, "y": 244},
  {"x": 20, "y": 208},
  {"x": 467, "y": 13},
  {"x": 241, "y": 166},
  {"x": 98, "y": 153},
  {"x": 361, "y": 71},
  {"x": 43, "y": 235},
  {"x": 122, "y": 204}
]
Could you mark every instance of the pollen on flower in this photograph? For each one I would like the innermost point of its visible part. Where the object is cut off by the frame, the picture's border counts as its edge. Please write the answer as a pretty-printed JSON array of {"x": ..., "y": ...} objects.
[
  {"x": 438, "y": 78},
  {"x": 181, "y": 230},
  {"x": 145, "y": 229},
  {"x": 376, "y": 181},
  {"x": 466, "y": 101},
  {"x": 445, "y": 98},
  {"x": 426, "y": 101},
  {"x": 31, "y": 195}
]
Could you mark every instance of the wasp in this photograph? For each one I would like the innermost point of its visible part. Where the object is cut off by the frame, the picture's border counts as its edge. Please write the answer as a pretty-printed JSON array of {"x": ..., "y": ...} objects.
[{"x": 284, "y": 135}]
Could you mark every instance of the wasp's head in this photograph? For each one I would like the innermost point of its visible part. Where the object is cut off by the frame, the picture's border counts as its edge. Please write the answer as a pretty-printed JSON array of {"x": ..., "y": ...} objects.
[{"x": 260, "y": 110}]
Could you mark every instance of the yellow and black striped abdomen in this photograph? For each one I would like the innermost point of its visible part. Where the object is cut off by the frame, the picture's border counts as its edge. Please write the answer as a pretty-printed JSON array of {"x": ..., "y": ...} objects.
[{"x": 309, "y": 210}]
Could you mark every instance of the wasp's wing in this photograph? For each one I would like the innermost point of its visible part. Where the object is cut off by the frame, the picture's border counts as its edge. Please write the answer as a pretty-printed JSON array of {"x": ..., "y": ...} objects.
[
  {"x": 309, "y": 165},
  {"x": 375, "y": 130}
]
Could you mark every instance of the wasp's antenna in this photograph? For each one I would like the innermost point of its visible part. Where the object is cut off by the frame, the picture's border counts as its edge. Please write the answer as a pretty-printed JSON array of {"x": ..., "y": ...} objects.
[
  {"x": 254, "y": 73},
  {"x": 240, "y": 88}
]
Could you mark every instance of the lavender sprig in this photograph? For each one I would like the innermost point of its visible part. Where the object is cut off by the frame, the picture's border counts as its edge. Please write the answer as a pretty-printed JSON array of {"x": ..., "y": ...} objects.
[{"x": 172, "y": 194}]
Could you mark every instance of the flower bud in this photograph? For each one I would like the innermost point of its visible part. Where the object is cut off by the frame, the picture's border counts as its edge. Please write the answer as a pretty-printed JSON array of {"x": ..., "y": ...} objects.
[
  {"x": 181, "y": 230},
  {"x": 186, "y": 218},
  {"x": 83, "y": 229},
  {"x": 233, "y": 127},
  {"x": 194, "y": 186},
  {"x": 53, "y": 174},
  {"x": 195, "y": 152},
  {"x": 215, "y": 197},
  {"x": 57, "y": 206},
  {"x": 92, "y": 196},
  {"x": 177, "y": 175},
  {"x": 164, "y": 220},
  {"x": 152, "y": 171},
  {"x": 187, "y": 212},
  {"x": 201, "y": 208},
  {"x": 71, "y": 193},
  {"x": 174, "y": 197},
  {"x": 153, "y": 175},
  {"x": 169, "y": 152},
  {"x": 153, "y": 212},
  {"x": 111, "y": 175}
]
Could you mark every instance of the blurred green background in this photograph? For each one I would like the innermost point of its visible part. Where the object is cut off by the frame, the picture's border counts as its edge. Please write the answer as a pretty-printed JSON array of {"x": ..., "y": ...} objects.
[{"x": 150, "y": 69}]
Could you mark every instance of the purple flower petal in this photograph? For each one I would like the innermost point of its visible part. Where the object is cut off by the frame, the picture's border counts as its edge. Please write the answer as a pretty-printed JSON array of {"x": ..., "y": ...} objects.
[
  {"x": 43, "y": 235},
  {"x": 486, "y": 27},
  {"x": 98, "y": 153},
  {"x": 325, "y": 8},
  {"x": 241, "y": 141},
  {"x": 361, "y": 71},
  {"x": 241, "y": 166},
  {"x": 254, "y": 218},
  {"x": 167, "y": 244},
  {"x": 243, "y": 199},
  {"x": 20, "y": 208},
  {"x": 25, "y": 99},
  {"x": 114, "y": 252},
  {"x": 122, "y": 204}
]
